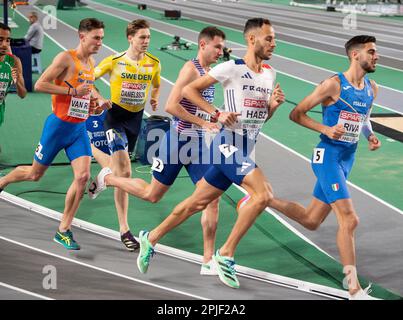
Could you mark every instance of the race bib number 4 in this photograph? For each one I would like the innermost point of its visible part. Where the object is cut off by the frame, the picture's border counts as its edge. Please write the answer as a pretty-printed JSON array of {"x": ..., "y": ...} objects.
[
  {"x": 133, "y": 93},
  {"x": 79, "y": 107},
  {"x": 352, "y": 123}
]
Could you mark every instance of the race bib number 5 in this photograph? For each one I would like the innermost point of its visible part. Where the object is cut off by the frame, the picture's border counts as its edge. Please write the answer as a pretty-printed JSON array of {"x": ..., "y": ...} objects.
[{"x": 318, "y": 155}]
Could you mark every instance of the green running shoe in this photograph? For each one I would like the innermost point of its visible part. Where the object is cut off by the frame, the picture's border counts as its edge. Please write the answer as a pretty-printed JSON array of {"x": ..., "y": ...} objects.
[
  {"x": 226, "y": 270},
  {"x": 146, "y": 252},
  {"x": 66, "y": 240}
]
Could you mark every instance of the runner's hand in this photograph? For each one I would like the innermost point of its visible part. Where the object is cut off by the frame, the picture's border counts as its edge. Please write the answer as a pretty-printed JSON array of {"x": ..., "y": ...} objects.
[
  {"x": 210, "y": 127},
  {"x": 373, "y": 142},
  {"x": 14, "y": 74},
  {"x": 277, "y": 97},
  {"x": 228, "y": 118},
  {"x": 335, "y": 132},
  {"x": 82, "y": 90},
  {"x": 154, "y": 104}
]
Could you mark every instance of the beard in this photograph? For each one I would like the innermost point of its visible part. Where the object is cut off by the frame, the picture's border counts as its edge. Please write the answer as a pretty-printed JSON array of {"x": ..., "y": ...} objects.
[
  {"x": 260, "y": 52},
  {"x": 366, "y": 66}
]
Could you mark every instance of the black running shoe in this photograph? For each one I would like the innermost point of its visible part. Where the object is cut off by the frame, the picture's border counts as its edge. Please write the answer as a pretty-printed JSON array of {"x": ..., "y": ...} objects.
[{"x": 129, "y": 241}]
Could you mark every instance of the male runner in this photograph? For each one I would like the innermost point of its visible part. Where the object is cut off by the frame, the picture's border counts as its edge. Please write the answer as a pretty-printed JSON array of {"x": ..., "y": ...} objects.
[
  {"x": 250, "y": 99},
  {"x": 346, "y": 100},
  {"x": 187, "y": 133},
  {"x": 70, "y": 80},
  {"x": 10, "y": 70},
  {"x": 132, "y": 74}
]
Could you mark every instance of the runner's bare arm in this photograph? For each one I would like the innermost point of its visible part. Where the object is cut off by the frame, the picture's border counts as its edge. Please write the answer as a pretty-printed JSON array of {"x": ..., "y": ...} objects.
[
  {"x": 155, "y": 90},
  {"x": 277, "y": 99},
  {"x": 192, "y": 93},
  {"x": 19, "y": 78},
  {"x": 193, "y": 89},
  {"x": 324, "y": 92},
  {"x": 373, "y": 142},
  {"x": 187, "y": 74},
  {"x": 60, "y": 65}
]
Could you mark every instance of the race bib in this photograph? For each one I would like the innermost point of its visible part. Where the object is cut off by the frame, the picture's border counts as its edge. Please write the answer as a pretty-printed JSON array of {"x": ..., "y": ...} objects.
[
  {"x": 227, "y": 149},
  {"x": 253, "y": 116},
  {"x": 157, "y": 165},
  {"x": 318, "y": 155},
  {"x": 203, "y": 115},
  {"x": 133, "y": 94},
  {"x": 352, "y": 123},
  {"x": 79, "y": 107},
  {"x": 3, "y": 90}
]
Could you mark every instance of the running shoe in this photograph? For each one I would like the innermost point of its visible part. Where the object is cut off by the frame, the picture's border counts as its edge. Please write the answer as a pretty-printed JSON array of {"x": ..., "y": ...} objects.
[
  {"x": 129, "y": 241},
  {"x": 95, "y": 187},
  {"x": 66, "y": 240},
  {"x": 363, "y": 294},
  {"x": 208, "y": 269},
  {"x": 146, "y": 252},
  {"x": 226, "y": 270}
]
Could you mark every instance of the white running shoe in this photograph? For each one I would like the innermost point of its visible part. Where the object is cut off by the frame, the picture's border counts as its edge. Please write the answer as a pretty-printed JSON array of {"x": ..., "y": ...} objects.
[
  {"x": 363, "y": 294},
  {"x": 98, "y": 185},
  {"x": 208, "y": 269}
]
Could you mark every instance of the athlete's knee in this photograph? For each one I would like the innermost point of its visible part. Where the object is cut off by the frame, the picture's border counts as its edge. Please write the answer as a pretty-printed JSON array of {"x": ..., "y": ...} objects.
[
  {"x": 152, "y": 198},
  {"x": 197, "y": 205},
  {"x": 312, "y": 224},
  {"x": 82, "y": 178},
  {"x": 35, "y": 175},
  {"x": 213, "y": 205},
  {"x": 266, "y": 199},
  {"x": 349, "y": 220},
  {"x": 125, "y": 173}
]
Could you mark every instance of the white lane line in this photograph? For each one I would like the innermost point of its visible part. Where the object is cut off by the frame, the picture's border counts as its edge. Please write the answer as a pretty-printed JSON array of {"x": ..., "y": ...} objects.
[
  {"x": 104, "y": 270},
  {"x": 24, "y": 291}
]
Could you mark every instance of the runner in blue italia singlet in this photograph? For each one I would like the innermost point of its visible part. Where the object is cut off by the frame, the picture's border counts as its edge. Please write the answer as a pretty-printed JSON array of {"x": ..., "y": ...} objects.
[
  {"x": 332, "y": 159},
  {"x": 346, "y": 100}
]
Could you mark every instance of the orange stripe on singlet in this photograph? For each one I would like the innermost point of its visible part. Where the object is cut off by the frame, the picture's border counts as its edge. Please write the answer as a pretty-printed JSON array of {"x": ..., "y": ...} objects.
[{"x": 61, "y": 102}]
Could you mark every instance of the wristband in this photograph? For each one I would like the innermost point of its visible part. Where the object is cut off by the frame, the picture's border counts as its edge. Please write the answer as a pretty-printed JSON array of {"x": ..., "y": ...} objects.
[{"x": 214, "y": 116}]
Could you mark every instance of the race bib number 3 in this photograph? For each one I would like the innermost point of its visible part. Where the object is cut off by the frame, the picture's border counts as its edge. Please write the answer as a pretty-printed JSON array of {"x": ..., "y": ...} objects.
[{"x": 79, "y": 107}]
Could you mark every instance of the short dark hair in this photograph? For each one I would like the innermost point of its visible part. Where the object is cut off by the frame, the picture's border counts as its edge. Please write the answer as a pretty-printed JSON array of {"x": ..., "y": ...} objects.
[
  {"x": 358, "y": 41},
  {"x": 135, "y": 26},
  {"x": 255, "y": 23},
  {"x": 211, "y": 32},
  {"x": 4, "y": 27},
  {"x": 89, "y": 24}
]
